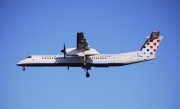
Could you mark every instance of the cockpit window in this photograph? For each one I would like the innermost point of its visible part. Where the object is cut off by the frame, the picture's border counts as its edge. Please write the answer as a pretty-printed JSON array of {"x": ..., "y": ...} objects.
[{"x": 29, "y": 57}]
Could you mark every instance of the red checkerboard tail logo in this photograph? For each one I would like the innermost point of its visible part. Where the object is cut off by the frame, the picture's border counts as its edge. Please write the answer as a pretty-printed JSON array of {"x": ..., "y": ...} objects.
[{"x": 152, "y": 43}]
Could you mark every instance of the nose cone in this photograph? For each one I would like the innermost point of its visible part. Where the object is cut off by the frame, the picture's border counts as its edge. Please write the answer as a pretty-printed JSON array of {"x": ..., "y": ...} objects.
[{"x": 19, "y": 63}]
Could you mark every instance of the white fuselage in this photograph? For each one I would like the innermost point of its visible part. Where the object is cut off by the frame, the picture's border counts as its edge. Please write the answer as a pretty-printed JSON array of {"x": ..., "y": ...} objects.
[
  {"x": 101, "y": 60},
  {"x": 85, "y": 57}
]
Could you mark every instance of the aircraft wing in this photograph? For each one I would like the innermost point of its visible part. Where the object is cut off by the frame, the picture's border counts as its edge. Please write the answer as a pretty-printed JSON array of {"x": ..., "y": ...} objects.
[
  {"x": 82, "y": 49},
  {"x": 82, "y": 44}
]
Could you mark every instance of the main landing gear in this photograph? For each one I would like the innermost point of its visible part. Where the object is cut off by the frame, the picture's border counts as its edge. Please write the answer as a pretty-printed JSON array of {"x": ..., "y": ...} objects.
[
  {"x": 86, "y": 70},
  {"x": 85, "y": 67},
  {"x": 84, "y": 60},
  {"x": 87, "y": 75},
  {"x": 23, "y": 68}
]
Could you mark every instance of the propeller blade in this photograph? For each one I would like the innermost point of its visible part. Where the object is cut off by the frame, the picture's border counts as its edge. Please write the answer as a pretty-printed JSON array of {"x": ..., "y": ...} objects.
[
  {"x": 64, "y": 47},
  {"x": 64, "y": 51}
]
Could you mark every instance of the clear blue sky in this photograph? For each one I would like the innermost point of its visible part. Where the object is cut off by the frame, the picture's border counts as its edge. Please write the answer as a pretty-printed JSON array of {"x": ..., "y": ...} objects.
[{"x": 110, "y": 26}]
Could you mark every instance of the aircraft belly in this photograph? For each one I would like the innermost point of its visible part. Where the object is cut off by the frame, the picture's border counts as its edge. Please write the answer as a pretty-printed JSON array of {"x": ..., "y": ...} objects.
[{"x": 73, "y": 64}]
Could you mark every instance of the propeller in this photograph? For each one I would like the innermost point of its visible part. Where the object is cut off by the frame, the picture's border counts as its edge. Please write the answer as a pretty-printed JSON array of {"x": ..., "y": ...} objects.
[{"x": 64, "y": 51}]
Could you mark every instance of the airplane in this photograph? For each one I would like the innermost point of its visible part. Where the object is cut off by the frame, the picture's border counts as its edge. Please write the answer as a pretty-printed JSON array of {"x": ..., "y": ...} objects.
[{"x": 85, "y": 57}]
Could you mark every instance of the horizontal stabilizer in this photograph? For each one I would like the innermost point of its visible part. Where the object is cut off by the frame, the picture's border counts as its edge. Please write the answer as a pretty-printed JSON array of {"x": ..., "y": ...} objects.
[{"x": 154, "y": 35}]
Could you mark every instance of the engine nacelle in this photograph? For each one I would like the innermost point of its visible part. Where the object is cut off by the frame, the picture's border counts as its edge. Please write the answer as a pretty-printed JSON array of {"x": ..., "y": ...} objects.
[{"x": 74, "y": 51}]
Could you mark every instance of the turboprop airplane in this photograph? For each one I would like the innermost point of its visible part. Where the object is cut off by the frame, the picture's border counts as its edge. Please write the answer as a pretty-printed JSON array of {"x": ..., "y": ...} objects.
[{"x": 85, "y": 57}]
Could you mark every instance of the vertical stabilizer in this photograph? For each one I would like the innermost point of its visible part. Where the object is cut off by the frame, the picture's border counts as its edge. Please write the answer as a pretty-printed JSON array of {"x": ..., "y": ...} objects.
[{"x": 152, "y": 43}]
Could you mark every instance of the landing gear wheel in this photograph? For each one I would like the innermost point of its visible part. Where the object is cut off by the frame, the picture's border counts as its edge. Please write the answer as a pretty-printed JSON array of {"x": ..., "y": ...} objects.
[
  {"x": 87, "y": 75},
  {"x": 23, "y": 69}
]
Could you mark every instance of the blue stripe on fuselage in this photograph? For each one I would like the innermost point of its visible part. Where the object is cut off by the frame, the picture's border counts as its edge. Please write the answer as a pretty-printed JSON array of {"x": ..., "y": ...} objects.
[{"x": 72, "y": 64}]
